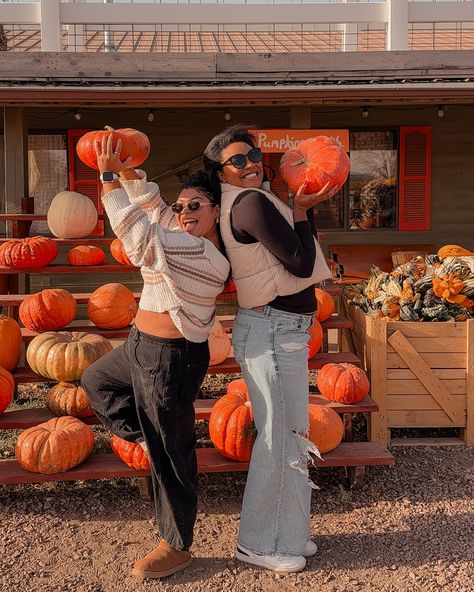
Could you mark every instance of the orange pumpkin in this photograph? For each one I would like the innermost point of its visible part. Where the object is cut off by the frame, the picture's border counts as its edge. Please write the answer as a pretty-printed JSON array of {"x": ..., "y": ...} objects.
[
  {"x": 316, "y": 338},
  {"x": 236, "y": 387},
  {"x": 231, "y": 426},
  {"x": 86, "y": 255},
  {"x": 134, "y": 143},
  {"x": 7, "y": 387},
  {"x": 69, "y": 398},
  {"x": 316, "y": 162},
  {"x": 118, "y": 253},
  {"x": 325, "y": 305},
  {"x": 326, "y": 429},
  {"x": 131, "y": 453},
  {"x": 64, "y": 355},
  {"x": 34, "y": 251},
  {"x": 219, "y": 344},
  {"x": 112, "y": 306},
  {"x": 48, "y": 310},
  {"x": 10, "y": 343},
  {"x": 343, "y": 383},
  {"x": 54, "y": 446}
]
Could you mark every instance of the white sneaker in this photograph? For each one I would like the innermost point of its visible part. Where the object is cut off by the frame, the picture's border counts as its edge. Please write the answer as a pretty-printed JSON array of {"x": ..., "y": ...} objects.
[
  {"x": 310, "y": 549},
  {"x": 278, "y": 563}
]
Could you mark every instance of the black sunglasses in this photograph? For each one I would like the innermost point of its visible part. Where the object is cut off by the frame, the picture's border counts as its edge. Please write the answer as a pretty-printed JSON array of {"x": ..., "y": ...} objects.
[
  {"x": 193, "y": 206},
  {"x": 239, "y": 161}
]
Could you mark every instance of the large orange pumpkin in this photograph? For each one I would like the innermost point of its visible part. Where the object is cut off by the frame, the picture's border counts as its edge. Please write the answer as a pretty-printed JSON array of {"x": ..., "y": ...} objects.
[
  {"x": 48, "y": 310},
  {"x": 316, "y": 162},
  {"x": 69, "y": 398},
  {"x": 325, "y": 305},
  {"x": 236, "y": 387},
  {"x": 34, "y": 251},
  {"x": 118, "y": 253},
  {"x": 219, "y": 344},
  {"x": 316, "y": 338},
  {"x": 131, "y": 453},
  {"x": 231, "y": 426},
  {"x": 54, "y": 446},
  {"x": 112, "y": 306},
  {"x": 86, "y": 255},
  {"x": 134, "y": 143},
  {"x": 343, "y": 383},
  {"x": 326, "y": 429},
  {"x": 7, "y": 386},
  {"x": 10, "y": 343},
  {"x": 64, "y": 355}
]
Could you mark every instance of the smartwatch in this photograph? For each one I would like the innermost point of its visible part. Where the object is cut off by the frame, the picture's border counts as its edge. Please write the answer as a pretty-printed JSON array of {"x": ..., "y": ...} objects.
[{"x": 108, "y": 177}]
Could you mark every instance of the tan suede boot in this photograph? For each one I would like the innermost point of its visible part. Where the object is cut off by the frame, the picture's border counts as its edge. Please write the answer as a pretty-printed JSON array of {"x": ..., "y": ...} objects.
[{"x": 163, "y": 561}]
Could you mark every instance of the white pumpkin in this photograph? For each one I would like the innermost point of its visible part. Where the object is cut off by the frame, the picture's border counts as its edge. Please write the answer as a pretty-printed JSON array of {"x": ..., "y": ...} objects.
[
  {"x": 71, "y": 215},
  {"x": 219, "y": 344}
]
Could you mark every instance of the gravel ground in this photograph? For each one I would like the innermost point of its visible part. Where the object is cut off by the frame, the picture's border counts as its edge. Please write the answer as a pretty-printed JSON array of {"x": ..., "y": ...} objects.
[{"x": 410, "y": 528}]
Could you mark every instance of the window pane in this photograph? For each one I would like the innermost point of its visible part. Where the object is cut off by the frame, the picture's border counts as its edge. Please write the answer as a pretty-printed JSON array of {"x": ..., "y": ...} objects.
[
  {"x": 373, "y": 180},
  {"x": 329, "y": 214},
  {"x": 47, "y": 173}
]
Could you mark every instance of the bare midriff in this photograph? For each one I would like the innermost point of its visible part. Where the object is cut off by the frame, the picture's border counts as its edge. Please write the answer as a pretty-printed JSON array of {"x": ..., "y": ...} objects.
[{"x": 157, "y": 323}]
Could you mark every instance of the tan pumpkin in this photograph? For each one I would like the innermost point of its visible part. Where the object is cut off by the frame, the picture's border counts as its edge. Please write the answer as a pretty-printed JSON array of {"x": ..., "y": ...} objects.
[
  {"x": 131, "y": 453},
  {"x": 48, "y": 310},
  {"x": 219, "y": 344},
  {"x": 10, "y": 343},
  {"x": 7, "y": 387},
  {"x": 64, "y": 355},
  {"x": 54, "y": 446},
  {"x": 326, "y": 429},
  {"x": 71, "y": 215},
  {"x": 86, "y": 255},
  {"x": 325, "y": 305},
  {"x": 69, "y": 398},
  {"x": 112, "y": 306}
]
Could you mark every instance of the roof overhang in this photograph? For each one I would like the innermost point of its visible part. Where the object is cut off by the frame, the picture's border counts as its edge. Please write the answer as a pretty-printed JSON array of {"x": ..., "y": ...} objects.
[{"x": 88, "y": 79}]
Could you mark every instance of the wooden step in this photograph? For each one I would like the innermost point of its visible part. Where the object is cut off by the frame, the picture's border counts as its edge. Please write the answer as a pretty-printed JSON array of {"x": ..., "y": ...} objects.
[
  {"x": 14, "y": 419},
  {"x": 24, "y": 374},
  {"x": 74, "y": 242},
  {"x": 56, "y": 268},
  {"x": 107, "y": 465}
]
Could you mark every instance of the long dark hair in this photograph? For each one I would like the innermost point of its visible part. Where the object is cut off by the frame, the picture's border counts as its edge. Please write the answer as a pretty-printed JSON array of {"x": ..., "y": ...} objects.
[{"x": 212, "y": 154}]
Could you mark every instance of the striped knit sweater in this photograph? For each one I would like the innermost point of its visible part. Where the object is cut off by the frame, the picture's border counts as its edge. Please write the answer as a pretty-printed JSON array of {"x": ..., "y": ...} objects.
[{"x": 182, "y": 274}]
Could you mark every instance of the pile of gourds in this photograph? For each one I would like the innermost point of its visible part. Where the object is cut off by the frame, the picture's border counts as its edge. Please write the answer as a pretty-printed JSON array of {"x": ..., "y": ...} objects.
[{"x": 427, "y": 288}]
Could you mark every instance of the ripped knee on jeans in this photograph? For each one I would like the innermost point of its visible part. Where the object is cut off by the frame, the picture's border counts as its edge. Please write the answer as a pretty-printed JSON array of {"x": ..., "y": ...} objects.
[{"x": 307, "y": 453}]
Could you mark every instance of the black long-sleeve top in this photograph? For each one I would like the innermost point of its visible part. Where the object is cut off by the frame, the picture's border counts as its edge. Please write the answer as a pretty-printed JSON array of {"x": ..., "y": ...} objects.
[{"x": 255, "y": 219}]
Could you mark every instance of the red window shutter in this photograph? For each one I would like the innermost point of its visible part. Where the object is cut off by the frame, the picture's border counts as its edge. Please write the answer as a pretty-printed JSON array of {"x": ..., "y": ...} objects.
[
  {"x": 272, "y": 159},
  {"x": 83, "y": 179},
  {"x": 415, "y": 178}
]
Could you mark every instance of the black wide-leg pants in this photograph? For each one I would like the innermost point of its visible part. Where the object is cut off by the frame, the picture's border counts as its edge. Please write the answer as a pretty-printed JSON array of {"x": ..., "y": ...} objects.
[{"x": 146, "y": 388}]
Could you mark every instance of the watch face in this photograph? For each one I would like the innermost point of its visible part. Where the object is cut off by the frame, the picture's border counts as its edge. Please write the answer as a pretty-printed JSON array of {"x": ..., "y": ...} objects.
[{"x": 106, "y": 176}]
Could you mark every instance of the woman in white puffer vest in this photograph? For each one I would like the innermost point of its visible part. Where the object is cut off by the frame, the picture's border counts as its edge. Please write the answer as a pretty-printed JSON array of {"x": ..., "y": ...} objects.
[{"x": 275, "y": 263}]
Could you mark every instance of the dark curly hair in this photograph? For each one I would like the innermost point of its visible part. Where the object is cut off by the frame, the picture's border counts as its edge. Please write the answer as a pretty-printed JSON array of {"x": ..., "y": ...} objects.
[
  {"x": 200, "y": 180},
  {"x": 212, "y": 153}
]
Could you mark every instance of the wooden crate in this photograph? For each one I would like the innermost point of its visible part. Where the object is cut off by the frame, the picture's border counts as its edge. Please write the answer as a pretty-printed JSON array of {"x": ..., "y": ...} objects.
[{"x": 422, "y": 375}]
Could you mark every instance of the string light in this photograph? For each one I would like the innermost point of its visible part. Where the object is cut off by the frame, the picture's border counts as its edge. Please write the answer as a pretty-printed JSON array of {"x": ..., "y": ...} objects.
[
  {"x": 77, "y": 114},
  {"x": 442, "y": 110},
  {"x": 151, "y": 116},
  {"x": 227, "y": 115},
  {"x": 365, "y": 112}
]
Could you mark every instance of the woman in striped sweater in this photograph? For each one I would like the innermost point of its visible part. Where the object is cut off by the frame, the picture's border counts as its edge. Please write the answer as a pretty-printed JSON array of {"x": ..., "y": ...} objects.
[{"x": 144, "y": 390}]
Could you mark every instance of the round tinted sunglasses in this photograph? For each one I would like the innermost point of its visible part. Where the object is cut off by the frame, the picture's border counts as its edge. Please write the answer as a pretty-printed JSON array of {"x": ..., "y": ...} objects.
[
  {"x": 239, "y": 161},
  {"x": 193, "y": 206}
]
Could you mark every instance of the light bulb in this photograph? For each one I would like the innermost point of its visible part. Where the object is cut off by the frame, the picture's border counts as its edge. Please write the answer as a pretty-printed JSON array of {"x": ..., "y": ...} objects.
[
  {"x": 77, "y": 114},
  {"x": 365, "y": 112},
  {"x": 227, "y": 115},
  {"x": 442, "y": 110},
  {"x": 151, "y": 116}
]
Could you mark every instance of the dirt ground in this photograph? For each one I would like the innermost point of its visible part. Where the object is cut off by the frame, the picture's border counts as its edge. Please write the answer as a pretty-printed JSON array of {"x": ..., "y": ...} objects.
[{"x": 411, "y": 528}]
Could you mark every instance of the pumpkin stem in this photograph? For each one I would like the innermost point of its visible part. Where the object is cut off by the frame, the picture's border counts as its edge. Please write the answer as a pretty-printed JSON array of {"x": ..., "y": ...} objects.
[{"x": 109, "y": 128}]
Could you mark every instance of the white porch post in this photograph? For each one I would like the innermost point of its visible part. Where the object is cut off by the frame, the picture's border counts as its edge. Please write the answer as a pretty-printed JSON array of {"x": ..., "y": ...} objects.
[
  {"x": 397, "y": 34},
  {"x": 50, "y": 26},
  {"x": 350, "y": 39}
]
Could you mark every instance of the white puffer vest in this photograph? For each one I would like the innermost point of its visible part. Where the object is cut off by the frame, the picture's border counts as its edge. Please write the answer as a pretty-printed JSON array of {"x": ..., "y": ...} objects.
[{"x": 258, "y": 275}]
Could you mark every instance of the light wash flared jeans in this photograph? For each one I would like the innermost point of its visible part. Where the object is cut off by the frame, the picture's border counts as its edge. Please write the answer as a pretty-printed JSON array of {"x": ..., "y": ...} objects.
[{"x": 271, "y": 348}]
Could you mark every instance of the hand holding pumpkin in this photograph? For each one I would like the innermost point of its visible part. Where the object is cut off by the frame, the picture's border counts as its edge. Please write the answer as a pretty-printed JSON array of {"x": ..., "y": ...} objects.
[{"x": 108, "y": 159}]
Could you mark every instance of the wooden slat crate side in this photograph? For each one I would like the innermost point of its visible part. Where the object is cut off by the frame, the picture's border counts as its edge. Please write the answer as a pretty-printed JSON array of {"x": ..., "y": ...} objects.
[
  {"x": 435, "y": 345},
  {"x": 422, "y": 419},
  {"x": 431, "y": 330},
  {"x": 468, "y": 433},
  {"x": 395, "y": 374},
  {"x": 415, "y": 387},
  {"x": 377, "y": 356},
  {"x": 415, "y": 402},
  {"x": 436, "y": 360}
]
